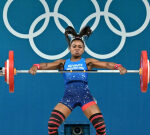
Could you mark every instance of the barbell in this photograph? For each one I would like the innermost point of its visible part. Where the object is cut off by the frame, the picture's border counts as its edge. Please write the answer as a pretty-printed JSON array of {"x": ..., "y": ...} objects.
[{"x": 9, "y": 71}]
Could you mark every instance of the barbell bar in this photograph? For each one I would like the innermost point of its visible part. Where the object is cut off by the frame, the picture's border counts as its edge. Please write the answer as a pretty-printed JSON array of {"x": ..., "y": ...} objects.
[
  {"x": 77, "y": 71},
  {"x": 9, "y": 71}
]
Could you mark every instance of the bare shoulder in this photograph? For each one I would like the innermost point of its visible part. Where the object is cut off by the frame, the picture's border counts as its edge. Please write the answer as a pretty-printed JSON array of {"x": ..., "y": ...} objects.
[
  {"x": 60, "y": 61},
  {"x": 90, "y": 60}
]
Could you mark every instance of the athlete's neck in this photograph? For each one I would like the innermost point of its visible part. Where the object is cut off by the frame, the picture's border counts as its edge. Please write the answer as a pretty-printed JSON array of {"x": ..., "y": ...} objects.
[{"x": 73, "y": 58}]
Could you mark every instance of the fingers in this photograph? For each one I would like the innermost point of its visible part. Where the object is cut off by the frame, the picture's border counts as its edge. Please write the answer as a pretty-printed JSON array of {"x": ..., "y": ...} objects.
[
  {"x": 122, "y": 70},
  {"x": 33, "y": 70}
]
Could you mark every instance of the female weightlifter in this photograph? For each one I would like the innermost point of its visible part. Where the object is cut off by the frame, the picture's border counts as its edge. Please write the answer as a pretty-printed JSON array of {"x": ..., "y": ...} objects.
[{"x": 77, "y": 92}]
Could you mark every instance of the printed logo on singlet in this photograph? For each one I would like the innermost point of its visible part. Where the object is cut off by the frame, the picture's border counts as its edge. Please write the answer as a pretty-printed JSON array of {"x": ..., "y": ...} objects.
[{"x": 75, "y": 67}]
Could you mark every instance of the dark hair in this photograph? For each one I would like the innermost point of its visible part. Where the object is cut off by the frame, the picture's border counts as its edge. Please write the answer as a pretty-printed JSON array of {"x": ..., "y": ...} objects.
[{"x": 84, "y": 34}]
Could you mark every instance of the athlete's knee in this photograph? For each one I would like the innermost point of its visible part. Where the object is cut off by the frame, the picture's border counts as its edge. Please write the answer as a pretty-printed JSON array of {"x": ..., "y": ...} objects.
[
  {"x": 55, "y": 120},
  {"x": 98, "y": 122}
]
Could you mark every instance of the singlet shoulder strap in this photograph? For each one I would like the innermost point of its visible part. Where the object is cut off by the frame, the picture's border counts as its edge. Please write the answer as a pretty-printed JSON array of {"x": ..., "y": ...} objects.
[
  {"x": 66, "y": 62},
  {"x": 83, "y": 59}
]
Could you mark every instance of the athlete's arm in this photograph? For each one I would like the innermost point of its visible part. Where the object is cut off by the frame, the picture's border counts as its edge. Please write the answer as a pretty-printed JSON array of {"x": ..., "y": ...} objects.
[
  {"x": 93, "y": 63},
  {"x": 48, "y": 66}
]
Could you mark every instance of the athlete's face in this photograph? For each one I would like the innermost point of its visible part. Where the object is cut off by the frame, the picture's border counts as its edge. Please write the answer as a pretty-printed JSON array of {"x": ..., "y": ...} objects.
[{"x": 76, "y": 48}]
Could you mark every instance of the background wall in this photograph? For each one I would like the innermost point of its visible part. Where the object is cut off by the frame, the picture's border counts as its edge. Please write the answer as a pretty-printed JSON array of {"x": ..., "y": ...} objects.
[{"x": 22, "y": 25}]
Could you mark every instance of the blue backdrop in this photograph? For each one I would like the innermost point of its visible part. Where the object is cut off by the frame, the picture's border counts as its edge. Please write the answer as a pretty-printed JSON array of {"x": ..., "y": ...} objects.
[{"x": 34, "y": 30}]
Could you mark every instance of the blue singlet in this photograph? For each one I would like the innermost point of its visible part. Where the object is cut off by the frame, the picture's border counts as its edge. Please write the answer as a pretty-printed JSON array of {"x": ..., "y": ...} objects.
[{"x": 76, "y": 88}]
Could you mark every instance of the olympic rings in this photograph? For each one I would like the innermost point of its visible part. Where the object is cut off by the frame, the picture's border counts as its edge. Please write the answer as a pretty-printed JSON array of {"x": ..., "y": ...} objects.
[{"x": 47, "y": 15}]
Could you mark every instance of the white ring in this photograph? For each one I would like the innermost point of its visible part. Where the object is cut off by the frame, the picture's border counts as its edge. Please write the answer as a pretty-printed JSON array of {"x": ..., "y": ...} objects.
[
  {"x": 118, "y": 49},
  {"x": 128, "y": 34},
  {"x": 90, "y": 17},
  {"x": 97, "y": 8},
  {"x": 56, "y": 14},
  {"x": 36, "y": 50},
  {"x": 20, "y": 35}
]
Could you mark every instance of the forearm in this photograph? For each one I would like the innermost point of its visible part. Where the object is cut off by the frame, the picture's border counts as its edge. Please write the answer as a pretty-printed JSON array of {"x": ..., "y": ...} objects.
[
  {"x": 51, "y": 66},
  {"x": 104, "y": 65},
  {"x": 112, "y": 65},
  {"x": 48, "y": 66}
]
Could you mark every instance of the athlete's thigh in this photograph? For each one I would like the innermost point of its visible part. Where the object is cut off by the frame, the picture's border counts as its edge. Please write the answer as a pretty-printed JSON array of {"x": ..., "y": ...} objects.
[
  {"x": 63, "y": 108},
  {"x": 91, "y": 110}
]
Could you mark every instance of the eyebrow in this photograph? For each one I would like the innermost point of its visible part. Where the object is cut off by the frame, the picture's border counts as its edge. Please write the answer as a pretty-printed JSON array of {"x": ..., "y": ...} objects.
[{"x": 77, "y": 45}]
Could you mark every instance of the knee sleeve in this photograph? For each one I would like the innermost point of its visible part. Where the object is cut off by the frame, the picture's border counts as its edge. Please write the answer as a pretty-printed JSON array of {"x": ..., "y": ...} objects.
[
  {"x": 55, "y": 120},
  {"x": 98, "y": 122}
]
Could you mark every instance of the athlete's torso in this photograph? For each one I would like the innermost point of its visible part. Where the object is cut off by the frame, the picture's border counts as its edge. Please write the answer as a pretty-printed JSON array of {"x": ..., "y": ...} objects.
[{"x": 77, "y": 65}]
